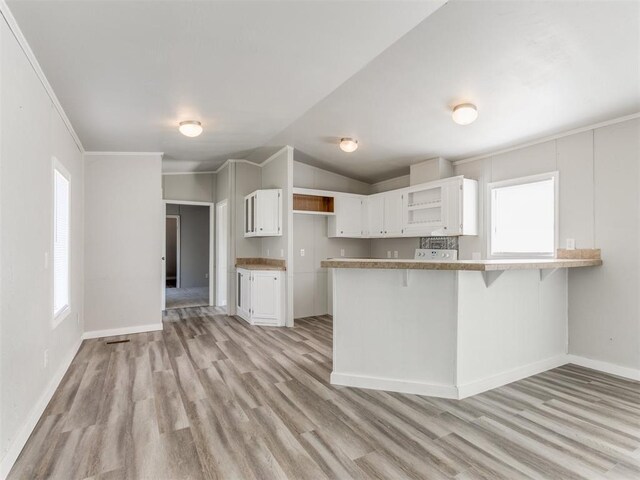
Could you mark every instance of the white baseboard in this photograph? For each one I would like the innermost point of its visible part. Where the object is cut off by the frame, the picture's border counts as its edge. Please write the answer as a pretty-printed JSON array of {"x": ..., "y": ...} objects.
[
  {"x": 392, "y": 385},
  {"x": 122, "y": 331},
  {"x": 36, "y": 412},
  {"x": 612, "y": 368},
  {"x": 495, "y": 381}
]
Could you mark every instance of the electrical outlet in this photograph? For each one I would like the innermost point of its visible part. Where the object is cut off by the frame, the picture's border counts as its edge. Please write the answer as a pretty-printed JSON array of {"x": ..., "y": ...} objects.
[
  {"x": 388, "y": 253},
  {"x": 571, "y": 243},
  {"x": 267, "y": 252},
  {"x": 45, "y": 359},
  {"x": 302, "y": 252},
  {"x": 342, "y": 252},
  {"x": 395, "y": 254},
  {"x": 282, "y": 252}
]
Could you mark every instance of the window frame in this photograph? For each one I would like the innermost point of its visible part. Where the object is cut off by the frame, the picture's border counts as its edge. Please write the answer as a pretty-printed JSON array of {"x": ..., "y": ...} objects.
[
  {"x": 555, "y": 176},
  {"x": 58, "y": 317}
]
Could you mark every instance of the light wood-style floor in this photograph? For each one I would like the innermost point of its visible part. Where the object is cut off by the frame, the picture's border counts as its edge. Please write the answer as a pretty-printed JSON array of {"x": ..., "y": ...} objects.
[
  {"x": 211, "y": 397},
  {"x": 186, "y": 297}
]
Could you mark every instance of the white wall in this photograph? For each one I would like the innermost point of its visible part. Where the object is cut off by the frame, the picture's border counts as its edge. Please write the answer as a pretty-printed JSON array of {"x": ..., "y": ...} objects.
[
  {"x": 311, "y": 283},
  {"x": 196, "y": 187},
  {"x": 31, "y": 133},
  {"x": 124, "y": 226},
  {"x": 599, "y": 207}
]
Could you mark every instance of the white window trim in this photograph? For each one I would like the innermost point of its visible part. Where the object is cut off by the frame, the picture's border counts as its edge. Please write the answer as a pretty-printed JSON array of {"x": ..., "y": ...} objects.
[
  {"x": 58, "y": 317},
  {"x": 555, "y": 176}
]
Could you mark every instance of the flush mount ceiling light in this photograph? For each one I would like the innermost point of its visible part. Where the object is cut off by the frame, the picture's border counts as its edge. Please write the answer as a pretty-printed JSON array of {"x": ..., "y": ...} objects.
[
  {"x": 465, "y": 113},
  {"x": 348, "y": 145},
  {"x": 190, "y": 128}
]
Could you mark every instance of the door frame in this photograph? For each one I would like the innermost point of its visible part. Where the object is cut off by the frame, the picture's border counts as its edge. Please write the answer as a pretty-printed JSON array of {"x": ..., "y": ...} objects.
[
  {"x": 163, "y": 280},
  {"x": 177, "y": 217},
  {"x": 225, "y": 254}
]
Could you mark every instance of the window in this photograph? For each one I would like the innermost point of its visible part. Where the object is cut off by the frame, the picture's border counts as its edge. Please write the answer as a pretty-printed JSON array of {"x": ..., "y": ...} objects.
[
  {"x": 523, "y": 216},
  {"x": 61, "y": 234}
]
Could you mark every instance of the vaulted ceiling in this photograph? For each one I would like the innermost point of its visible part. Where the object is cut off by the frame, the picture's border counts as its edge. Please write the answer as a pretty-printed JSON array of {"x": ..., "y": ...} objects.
[{"x": 265, "y": 73}]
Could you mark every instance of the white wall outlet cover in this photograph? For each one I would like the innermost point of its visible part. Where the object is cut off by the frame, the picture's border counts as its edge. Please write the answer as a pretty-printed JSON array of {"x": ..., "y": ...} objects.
[
  {"x": 267, "y": 252},
  {"x": 571, "y": 243},
  {"x": 342, "y": 252},
  {"x": 388, "y": 253},
  {"x": 395, "y": 254},
  {"x": 302, "y": 252},
  {"x": 282, "y": 252}
]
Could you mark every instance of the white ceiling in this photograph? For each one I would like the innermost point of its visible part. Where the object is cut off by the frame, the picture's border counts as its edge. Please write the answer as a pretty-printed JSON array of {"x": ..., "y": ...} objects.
[
  {"x": 126, "y": 72},
  {"x": 532, "y": 68},
  {"x": 266, "y": 73}
]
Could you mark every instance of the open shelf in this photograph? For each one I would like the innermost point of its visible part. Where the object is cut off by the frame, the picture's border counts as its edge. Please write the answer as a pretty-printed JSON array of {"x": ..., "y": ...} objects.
[
  {"x": 425, "y": 205},
  {"x": 311, "y": 212},
  {"x": 313, "y": 204}
]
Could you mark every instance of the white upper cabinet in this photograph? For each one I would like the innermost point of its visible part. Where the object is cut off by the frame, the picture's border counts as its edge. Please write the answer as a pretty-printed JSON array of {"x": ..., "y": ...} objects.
[
  {"x": 443, "y": 208},
  {"x": 375, "y": 215},
  {"x": 263, "y": 213},
  {"x": 393, "y": 202},
  {"x": 446, "y": 207},
  {"x": 348, "y": 218}
]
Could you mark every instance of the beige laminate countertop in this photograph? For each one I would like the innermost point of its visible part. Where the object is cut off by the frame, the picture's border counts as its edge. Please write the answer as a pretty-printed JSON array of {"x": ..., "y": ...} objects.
[
  {"x": 260, "y": 266},
  {"x": 471, "y": 265}
]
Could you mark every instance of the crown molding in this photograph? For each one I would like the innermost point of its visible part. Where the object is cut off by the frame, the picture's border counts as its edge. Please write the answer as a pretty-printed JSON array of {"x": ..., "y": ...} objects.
[
  {"x": 24, "y": 45},
  {"x": 211, "y": 172},
  {"x": 549, "y": 138},
  {"x": 91, "y": 154}
]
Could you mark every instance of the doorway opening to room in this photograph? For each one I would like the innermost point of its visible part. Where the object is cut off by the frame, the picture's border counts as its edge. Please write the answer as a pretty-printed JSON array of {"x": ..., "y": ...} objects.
[
  {"x": 188, "y": 279},
  {"x": 222, "y": 253}
]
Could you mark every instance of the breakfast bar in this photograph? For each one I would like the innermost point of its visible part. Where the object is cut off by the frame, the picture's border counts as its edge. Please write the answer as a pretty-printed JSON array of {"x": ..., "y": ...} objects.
[{"x": 450, "y": 328}]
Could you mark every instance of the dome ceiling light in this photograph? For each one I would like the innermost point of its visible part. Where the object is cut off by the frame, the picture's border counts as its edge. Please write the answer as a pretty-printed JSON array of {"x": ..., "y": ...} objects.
[
  {"x": 348, "y": 145},
  {"x": 465, "y": 113},
  {"x": 190, "y": 128}
]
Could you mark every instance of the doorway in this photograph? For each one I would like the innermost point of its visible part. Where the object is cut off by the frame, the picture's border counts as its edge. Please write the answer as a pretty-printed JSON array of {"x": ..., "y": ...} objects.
[
  {"x": 222, "y": 271},
  {"x": 187, "y": 270}
]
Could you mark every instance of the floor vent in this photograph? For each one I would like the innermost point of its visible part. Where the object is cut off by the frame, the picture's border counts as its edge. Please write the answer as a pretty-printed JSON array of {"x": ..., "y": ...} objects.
[{"x": 117, "y": 341}]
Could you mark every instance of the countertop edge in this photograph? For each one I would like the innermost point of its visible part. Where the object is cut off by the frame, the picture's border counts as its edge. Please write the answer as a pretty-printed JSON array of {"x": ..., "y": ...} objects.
[
  {"x": 490, "y": 265},
  {"x": 256, "y": 266}
]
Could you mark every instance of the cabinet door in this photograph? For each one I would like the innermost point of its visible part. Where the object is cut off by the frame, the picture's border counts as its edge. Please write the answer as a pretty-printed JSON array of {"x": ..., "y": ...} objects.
[
  {"x": 265, "y": 298},
  {"x": 243, "y": 293},
  {"x": 268, "y": 213},
  {"x": 393, "y": 214},
  {"x": 375, "y": 215},
  {"x": 348, "y": 216},
  {"x": 452, "y": 208},
  {"x": 247, "y": 216}
]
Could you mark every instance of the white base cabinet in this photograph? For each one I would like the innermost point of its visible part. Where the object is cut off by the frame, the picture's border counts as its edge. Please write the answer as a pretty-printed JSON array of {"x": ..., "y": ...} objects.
[{"x": 260, "y": 297}]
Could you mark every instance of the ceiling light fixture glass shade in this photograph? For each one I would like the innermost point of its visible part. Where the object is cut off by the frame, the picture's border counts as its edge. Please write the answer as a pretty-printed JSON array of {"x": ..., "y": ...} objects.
[
  {"x": 465, "y": 113},
  {"x": 190, "y": 128},
  {"x": 348, "y": 145}
]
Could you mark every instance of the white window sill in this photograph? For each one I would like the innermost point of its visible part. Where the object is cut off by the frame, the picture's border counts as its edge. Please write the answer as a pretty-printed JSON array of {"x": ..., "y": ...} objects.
[{"x": 60, "y": 316}]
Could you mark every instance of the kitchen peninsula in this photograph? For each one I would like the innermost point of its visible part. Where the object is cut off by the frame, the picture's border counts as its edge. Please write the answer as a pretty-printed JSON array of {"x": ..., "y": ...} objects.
[{"x": 448, "y": 329}]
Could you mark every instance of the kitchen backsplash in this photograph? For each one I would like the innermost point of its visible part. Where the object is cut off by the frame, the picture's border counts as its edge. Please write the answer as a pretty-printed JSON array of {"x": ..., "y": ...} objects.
[{"x": 443, "y": 243}]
